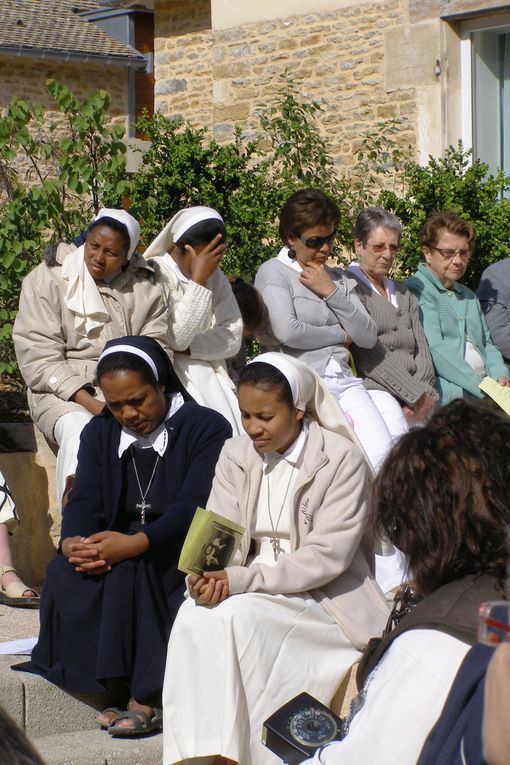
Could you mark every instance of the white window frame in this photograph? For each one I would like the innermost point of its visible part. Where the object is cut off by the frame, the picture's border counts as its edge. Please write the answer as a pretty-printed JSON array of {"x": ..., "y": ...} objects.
[{"x": 499, "y": 21}]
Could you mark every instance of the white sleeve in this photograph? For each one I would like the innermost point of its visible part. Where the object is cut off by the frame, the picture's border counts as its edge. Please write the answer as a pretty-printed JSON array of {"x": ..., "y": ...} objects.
[{"x": 405, "y": 695}]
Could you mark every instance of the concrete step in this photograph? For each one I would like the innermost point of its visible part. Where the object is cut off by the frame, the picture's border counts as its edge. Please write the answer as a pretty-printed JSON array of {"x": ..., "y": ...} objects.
[
  {"x": 61, "y": 724},
  {"x": 41, "y": 708},
  {"x": 96, "y": 747}
]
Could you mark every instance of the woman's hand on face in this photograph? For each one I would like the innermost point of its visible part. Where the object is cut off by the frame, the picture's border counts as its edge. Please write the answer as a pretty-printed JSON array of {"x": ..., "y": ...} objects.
[
  {"x": 205, "y": 263},
  {"x": 504, "y": 381},
  {"x": 209, "y": 589},
  {"x": 316, "y": 278}
]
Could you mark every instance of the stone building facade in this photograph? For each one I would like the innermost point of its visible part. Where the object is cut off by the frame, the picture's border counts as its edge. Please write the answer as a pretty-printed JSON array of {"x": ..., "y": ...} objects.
[{"x": 216, "y": 61}]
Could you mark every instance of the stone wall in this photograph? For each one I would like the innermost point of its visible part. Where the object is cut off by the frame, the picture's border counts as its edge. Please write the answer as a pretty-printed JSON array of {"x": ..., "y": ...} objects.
[
  {"x": 218, "y": 78},
  {"x": 183, "y": 50},
  {"x": 26, "y": 78}
]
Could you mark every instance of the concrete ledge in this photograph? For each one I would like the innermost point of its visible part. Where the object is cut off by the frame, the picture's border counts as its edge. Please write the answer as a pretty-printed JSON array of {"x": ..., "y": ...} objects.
[
  {"x": 30, "y": 474},
  {"x": 42, "y": 708}
]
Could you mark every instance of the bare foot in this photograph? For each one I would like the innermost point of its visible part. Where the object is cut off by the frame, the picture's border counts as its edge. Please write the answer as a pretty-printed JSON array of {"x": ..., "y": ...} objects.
[{"x": 135, "y": 706}]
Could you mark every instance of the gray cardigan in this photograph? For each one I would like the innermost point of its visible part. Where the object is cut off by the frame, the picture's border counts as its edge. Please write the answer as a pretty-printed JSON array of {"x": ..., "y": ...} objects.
[
  {"x": 308, "y": 327},
  {"x": 400, "y": 361}
]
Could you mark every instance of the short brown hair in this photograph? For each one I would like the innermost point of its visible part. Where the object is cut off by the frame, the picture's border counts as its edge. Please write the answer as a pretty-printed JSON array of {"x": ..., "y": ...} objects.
[
  {"x": 446, "y": 219},
  {"x": 441, "y": 496},
  {"x": 307, "y": 208}
]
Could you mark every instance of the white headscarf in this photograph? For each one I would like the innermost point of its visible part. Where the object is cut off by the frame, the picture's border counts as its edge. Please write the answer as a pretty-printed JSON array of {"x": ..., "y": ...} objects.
[
  {"x": 177, "y": 226},
  {"x": 82, "y": 296},
  {"x": 310, "y": 393}
]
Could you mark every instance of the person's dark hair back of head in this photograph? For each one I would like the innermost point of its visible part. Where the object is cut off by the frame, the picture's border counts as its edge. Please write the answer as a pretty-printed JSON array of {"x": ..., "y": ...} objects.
[
  {"x": 250, "y": 304},
  {"x": 371, "y": 218},
  {"x": 115, "y": 225},
  {"x": 449, "y": 221},
  {"x": 15, "y": 748},
  {"x": 442, "y": 496},
  {"x": 202, "y": 233},
  {"x": 125, "y": 362},
  {"x": 267, "y": 377},
  {"x": 307, "y": 208}
]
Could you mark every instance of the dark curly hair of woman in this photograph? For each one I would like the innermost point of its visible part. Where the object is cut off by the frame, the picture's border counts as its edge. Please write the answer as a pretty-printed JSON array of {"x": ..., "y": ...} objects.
[{"x": 442, "y": 496}]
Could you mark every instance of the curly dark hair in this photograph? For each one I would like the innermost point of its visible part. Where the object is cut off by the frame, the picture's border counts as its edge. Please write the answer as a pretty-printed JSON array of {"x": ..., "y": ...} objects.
[{"x": 442, "y": 496}]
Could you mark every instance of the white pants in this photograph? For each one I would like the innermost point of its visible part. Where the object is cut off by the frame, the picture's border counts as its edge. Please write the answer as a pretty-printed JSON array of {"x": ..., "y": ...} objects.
[
  {"x": 67, "y": 433},
  {"x": 375, "y": 416},
  {"x": 231, "y": 666}
]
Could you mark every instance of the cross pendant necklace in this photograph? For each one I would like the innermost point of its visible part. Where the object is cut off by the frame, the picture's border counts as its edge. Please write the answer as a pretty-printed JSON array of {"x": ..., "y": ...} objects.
[
  {"x": 275, "y": 539},
  {"x": 143, "y": 505}
]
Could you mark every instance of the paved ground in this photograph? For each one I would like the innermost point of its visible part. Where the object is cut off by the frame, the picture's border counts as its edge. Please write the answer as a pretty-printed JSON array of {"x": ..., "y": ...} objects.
[{"x": 18, "y": 623}]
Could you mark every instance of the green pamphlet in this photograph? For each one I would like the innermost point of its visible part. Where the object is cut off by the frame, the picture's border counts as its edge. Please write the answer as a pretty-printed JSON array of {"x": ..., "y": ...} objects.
[
  {"x": 210, "y": 543},
  {"x": 499, "y": 393}
]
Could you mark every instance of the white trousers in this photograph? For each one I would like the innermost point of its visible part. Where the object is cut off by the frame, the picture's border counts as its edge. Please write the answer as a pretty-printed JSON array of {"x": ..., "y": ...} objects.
[
  {"x": 231, "y": 666},
  {"x": 67, "y": 433},
  {"x": 375, "y": 416}
]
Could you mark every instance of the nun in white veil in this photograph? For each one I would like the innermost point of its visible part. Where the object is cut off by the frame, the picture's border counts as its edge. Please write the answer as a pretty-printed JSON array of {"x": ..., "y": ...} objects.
[
  {"x": 299, "y": 603},
  {"x": 70, "y": 306},
  {"x": 205, "y": 325}
]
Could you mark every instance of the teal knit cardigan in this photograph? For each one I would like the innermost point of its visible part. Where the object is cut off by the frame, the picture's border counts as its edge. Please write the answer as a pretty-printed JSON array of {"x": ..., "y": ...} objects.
[{"x": 448, "y": 316}]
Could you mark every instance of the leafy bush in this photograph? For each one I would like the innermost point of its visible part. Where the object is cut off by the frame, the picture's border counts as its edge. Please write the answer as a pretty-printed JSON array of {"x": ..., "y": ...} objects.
[
  {"x": 55, "y": 175},
  {"x": 452, "y": 183}
]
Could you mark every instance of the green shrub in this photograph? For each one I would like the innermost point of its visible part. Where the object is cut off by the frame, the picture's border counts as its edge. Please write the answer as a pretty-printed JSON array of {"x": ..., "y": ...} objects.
[{"x": 71, "y": 166}]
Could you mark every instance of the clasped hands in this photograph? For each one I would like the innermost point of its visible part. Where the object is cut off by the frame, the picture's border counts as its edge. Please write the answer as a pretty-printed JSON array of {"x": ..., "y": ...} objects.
[
  {"x": 210, "y": 588},
  {"x": 96, "y": 554}
]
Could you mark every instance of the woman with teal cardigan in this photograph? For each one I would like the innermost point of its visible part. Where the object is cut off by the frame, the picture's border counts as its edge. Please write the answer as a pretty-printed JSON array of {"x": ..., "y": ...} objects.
[{"x": 454, "y": 325}]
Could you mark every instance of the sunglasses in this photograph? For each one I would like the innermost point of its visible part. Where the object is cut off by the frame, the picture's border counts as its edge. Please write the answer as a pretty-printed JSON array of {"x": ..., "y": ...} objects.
[{"x": 316, "y": 242}]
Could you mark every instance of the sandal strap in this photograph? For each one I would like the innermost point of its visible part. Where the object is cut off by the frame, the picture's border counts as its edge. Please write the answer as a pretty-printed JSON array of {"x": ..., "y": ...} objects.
[{"x": 7, "y": 570}]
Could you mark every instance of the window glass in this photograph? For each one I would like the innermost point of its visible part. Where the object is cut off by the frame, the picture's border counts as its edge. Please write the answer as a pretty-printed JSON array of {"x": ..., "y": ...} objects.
[{"x": 491, "y": 98}]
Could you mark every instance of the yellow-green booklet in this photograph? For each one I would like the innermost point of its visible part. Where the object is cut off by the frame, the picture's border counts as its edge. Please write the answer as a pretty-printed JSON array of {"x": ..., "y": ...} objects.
[
  {"x": 499, "y": 393},
  {"x": 210, "y": 543}
]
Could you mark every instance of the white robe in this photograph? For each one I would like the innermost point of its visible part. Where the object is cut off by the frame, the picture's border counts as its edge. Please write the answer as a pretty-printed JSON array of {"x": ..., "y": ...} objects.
[{"x": 231, "y": 666}]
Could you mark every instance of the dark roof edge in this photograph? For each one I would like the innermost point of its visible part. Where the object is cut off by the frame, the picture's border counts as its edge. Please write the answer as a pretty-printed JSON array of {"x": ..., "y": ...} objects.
[{"x": 93, "y": 58}]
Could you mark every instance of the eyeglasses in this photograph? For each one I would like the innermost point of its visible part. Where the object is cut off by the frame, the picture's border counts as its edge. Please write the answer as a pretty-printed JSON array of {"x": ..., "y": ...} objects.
[
  {"x": 316, "y": 242},
  {"x": 378, "y": 249},
  {"x": 449, "y": 254}
]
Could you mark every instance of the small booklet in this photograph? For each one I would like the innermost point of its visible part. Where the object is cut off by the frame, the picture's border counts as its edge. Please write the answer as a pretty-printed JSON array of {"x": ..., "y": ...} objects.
[
  {"x": 499, "y": 393},
  {"x": 210, "y": 543}
]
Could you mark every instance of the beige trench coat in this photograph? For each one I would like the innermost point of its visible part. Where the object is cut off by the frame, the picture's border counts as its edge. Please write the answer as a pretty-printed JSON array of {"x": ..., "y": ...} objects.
[
  {"x": 53, "y": 358},
  {"x": 332, "y": 551}
]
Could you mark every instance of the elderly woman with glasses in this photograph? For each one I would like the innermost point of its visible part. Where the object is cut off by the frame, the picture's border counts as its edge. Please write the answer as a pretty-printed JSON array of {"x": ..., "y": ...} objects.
[
  {"x": 399, "y": 363},
  {"x": 454, "y": 325},
  {"x": 316, "y": 315}
]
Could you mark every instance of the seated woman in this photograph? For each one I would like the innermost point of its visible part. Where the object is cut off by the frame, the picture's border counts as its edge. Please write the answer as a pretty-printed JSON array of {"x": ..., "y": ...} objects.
[
  {"x": 454, "y": 325},
  {"x": 442, "y": 498},
  {"x": 316, "y": 314},
  {"x": 205, "y": 325},
  {"x": 69, "y": 307},
  {"x": 113, "y": 591},
  {"x": 299, "y": 602},
  {"x": 399, "y": 363}
]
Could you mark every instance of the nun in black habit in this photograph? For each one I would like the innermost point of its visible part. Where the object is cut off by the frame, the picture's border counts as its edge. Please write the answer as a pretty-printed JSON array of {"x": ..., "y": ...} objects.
[{"x": 113, "y": 590}]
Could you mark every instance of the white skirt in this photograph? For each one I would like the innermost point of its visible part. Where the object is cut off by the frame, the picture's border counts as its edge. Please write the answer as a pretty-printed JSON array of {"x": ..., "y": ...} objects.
[
  {"x": 229, "y": 667},
  {"x": 210, "y": 385}
]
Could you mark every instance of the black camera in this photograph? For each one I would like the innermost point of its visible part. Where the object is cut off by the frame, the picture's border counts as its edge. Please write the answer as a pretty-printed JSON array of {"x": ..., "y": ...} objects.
[{"x": 299, "y": 728}]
